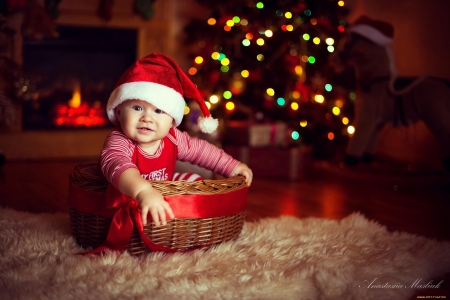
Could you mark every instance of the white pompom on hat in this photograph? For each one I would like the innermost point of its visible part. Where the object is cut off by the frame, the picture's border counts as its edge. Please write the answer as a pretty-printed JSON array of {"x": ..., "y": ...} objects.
[
  {"x": 379, "y": 32},
  {"x": 159, "y": 80}
]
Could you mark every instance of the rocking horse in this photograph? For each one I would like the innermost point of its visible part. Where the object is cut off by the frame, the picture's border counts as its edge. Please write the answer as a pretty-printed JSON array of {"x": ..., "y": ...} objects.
[{"x": 383, "y": 96}]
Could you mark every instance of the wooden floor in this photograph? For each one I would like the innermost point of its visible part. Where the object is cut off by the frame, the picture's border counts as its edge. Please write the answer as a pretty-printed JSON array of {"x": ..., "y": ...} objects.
[{"x": 417, "y": 202}]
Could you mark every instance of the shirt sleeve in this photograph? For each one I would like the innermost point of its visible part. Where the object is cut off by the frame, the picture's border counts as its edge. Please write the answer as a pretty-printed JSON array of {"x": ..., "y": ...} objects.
[
  {"x": 204, "y": 154},
  {"x": 116, "y": 156}
]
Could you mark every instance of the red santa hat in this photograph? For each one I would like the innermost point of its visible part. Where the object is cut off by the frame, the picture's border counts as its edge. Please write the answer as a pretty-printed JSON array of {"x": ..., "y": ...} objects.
[
  {"x": 379, "y": 32},
  {"x": 159, "y": 80}
]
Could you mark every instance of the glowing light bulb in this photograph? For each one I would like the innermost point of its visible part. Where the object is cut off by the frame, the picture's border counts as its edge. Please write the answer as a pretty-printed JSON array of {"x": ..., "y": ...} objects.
[
  {"x": 249, "y": 36},
  {"x": 230, "y": 23},
  {"x": 345, "y": 120},
  {"x": 225, "y": 61},
  {"x": 268, "y": 33},
  {"x": 295, "y": 95},
  {"x": 311, "y": 59},
  {"x": 303, "y": 123},
  {"x": 295, "y": 135},
  {"x": 230, "y": 105},
  {"x": 298, "y": 70},
  {"x": 328, "y": 87},
  {"x": 270, "y": 91},
  {"x": 260, "y": 5},
  {"x": 215, "y": 55},
  {"x": 294, "y": 106},
  {"x": 260, "y": 57},
  {"x": 198, "y": 60},
  {"x": 186, "y": 110},
  {"x": 351, "y": 129},
  {"x": 316, "y": 40},
  {"x": 260, "y": 41},
  {"x": 236, "y": 19},
  {"x": 336, "y": 111},
  {"x": 289, "y": 27},
  {"x": 306, "y": 37},
  {"x": 208, "y": 105},
  {"x": 329, "y": 41},
  {"x": 214, "y": 99},
  {"x": 281, "y": 101},
  {"x": 244, "y": 22},
  {"x": 341, "y": 3},
  {"x": 330, "y": 49},
  {"x": 192, "y": 71},
  {"x": 212, "y": 21},
  {"x": 227, "y": 95},
  {"x": 245, "y": 42},
  {"x": 288, "y": 15},
  {"x": 330, "y": 136},
  {"x": 313, "y": 21},
  {"x": 319, "y": 98},
  {"x": 245, "y": 73}
]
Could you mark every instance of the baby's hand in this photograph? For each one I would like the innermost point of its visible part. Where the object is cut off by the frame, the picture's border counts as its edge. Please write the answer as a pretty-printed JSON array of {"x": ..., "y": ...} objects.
[
  {"x": 244, "y": 170},
  {"x": 151, "y": 201}
]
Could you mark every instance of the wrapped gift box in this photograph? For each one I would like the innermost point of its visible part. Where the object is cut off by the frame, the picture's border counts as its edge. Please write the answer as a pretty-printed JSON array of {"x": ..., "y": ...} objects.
[
  {"x": 255, "y": 135},
  {"x": 275, "y": 162}
]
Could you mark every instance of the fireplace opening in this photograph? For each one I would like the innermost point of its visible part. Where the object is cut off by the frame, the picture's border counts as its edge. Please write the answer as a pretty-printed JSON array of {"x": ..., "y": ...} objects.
[{"x": 76, "y": 74}]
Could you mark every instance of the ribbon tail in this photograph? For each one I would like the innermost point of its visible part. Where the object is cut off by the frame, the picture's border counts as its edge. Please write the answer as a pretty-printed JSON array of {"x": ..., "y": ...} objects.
[{"x": 119, "y": 233}]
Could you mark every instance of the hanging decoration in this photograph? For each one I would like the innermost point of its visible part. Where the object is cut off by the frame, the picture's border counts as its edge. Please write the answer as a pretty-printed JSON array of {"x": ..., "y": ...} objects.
[
  {"x": 106, "y": 9},
  {"x": 145, "y": 8}
]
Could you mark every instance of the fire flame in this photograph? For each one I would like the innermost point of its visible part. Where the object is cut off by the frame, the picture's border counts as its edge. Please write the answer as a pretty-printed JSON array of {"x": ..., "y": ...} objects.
[{"x": 75, "y": 102}]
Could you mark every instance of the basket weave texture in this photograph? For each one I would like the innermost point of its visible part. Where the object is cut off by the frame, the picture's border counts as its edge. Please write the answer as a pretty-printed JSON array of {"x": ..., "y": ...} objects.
[{"x": 181, "y": 234}]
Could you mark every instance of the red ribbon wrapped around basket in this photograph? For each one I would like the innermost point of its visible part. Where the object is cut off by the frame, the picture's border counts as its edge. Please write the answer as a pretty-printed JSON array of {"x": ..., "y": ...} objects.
[{"x": 125, "y": 212}]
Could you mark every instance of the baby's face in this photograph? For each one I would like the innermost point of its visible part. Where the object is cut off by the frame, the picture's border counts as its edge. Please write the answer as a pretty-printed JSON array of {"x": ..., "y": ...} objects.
[{"x": 143, "y": 122}]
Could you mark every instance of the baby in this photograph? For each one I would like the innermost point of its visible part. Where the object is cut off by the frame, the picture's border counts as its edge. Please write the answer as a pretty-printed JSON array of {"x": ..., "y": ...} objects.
[{"x": 146, "y": 105}]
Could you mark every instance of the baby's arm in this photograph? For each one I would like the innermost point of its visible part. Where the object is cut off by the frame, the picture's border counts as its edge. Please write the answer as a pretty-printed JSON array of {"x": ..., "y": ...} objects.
[
  {"x": 208, "y": 156},
  {"x": 115, "y": 161},
  {"x": 150, "y": 200}
]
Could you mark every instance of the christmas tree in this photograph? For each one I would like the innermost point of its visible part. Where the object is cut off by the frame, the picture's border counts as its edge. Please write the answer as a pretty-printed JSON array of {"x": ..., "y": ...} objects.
[{"x": 267, "y": 61}]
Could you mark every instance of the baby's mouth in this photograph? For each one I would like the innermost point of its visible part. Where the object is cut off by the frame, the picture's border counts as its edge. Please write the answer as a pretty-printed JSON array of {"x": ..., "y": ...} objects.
[{"x": 144, "y": 128}]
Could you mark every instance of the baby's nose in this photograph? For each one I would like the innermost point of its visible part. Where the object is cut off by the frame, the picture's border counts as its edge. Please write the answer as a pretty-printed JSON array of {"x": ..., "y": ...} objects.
[{"x": 147, "y": 117}]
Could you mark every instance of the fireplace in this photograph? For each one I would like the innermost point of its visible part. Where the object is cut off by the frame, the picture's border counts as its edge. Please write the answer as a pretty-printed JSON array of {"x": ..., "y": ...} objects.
[
  {"x": 75, "y": 75},
  {"x": 67, "y": 118}
]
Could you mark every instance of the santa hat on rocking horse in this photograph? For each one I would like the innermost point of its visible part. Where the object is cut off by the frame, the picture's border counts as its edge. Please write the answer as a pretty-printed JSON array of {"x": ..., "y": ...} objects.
[{"x": 379, "y": 32}]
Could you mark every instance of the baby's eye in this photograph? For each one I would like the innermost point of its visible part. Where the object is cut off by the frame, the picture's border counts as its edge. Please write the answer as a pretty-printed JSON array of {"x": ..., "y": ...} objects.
[
  {"x": 137, "y": 108},
  {"x": 159, "y": 111}
]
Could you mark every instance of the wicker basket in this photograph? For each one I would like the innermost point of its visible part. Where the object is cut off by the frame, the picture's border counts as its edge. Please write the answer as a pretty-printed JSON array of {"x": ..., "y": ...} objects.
[{"x": 181, "y": 234}]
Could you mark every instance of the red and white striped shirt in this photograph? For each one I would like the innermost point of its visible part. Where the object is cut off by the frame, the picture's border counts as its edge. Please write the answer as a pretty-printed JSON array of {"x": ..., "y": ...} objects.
[{"x": 118, "y": 150}]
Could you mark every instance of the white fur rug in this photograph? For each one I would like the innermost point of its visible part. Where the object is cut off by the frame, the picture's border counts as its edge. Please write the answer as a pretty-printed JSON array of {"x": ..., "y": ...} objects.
[{"x": 278, "y": 258}]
